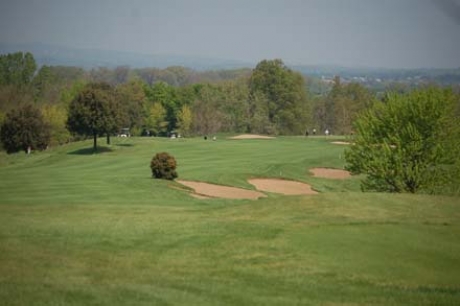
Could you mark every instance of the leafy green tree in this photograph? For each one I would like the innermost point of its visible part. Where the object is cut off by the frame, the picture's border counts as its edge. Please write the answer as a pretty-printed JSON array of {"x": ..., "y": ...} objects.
[
  {"x": 258, "y": 111},
  {"x": 133, "y": 103},
  {"x": 51, "y": 83},
  {"x": 409, "y": 143},
  {"x": 165, "y": 94},
  {"x": 342, "y": 105},
  {"x": 17, "y": 68},
  {"x": 156, "y": 120},
  {"x": 319, "y": 114},
  {"x": 92, "y": 112},
  {"x": 43, "y": 80},
  {"x": 287, "y": 103},
  {"x": 55, "y": 117},
  {"x": 24, "y": 128},
  {"x": 329, "y": 105},
  {"x": 234, "y": 105},
  {"x": 357, "y": 98},
  {"x": 16, "y": 74},
  {"x": 207, "y": 117},
  {"x": 184, "y": 120}
]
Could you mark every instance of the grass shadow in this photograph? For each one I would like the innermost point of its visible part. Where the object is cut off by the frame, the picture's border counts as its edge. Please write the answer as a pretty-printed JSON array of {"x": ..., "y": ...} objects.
[{"x": 90, "y": 151}]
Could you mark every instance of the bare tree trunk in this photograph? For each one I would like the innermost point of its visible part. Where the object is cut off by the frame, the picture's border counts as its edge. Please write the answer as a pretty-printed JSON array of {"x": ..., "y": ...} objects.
[{"x": 94, "y": 142}]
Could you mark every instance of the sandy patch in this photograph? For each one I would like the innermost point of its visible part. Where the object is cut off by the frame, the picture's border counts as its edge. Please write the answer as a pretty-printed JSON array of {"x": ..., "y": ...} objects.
[
  {"x": 330, "y": 173},
  {"x": 218, "y": 191},
  {"x": 251, "y": 136},
  {"x": 282, "y": 186},
  {"x": 341, "y": 142}
]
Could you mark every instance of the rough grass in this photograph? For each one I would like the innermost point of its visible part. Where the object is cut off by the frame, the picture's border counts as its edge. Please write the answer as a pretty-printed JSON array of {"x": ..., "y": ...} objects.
[{"x": 83, "y": 229}]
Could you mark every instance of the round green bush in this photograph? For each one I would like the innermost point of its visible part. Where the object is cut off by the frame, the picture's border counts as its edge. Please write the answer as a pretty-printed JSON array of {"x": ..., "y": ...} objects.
[{"x": 163, "y": 166}]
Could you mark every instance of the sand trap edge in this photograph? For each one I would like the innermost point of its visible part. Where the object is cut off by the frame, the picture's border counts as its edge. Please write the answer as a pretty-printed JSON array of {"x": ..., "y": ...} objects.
[
  {"x": 282, "y": 186},
  {"x": 224, "y": 192}
]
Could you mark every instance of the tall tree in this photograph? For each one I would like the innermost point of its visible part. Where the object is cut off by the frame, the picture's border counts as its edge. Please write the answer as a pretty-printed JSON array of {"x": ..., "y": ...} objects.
[
  {"x": 207, "y": 118},
  {"x": 329, "y": 104},
  {"x": 24, "y": 128},
  {"x": 319, "y": 114},
  {"x": 16, "y": 74},
  {"x": 55, "y": 117},
  {"x": 184, "y": 120},
  {"x": 346, "y": 102},
  {"x": 258, "y": 113},
  {"x": 50, "y": 83},
  {"x": 17, "y": 68},
  {"x": 409, "y": 143},
  {"x": 156, "y": 120},
  {"x": 165, "y": 94},
  {"x": 287, "y": 103},
  {"x": 70, "y": 93},
  {"x": 92, "y": 112},
  {"x": 235, "y": 106},
  {"x": 133, "y": 103}
]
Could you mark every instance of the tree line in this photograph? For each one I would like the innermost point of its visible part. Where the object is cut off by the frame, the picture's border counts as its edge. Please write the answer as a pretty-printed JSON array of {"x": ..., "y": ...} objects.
[{"x": 269, "y": 99}]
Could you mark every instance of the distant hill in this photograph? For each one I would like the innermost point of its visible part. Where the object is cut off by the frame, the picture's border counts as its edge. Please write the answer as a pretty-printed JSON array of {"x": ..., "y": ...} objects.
[
  {"x": 383, "y": 73},
  {"x": 46, "y": 54}
]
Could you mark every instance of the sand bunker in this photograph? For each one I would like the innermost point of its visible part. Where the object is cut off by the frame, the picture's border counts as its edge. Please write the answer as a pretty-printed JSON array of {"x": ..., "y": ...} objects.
[
  {"x": 282, "y": 186},
  {"x": 200, "y": 196},
  {"x": 251, "y": 136},
  {"x": 341, "y": 142},
  {"x": 206, "y": 190},
  {"x": 218, "y": 191},
  {"x": 330, "y": 173}
]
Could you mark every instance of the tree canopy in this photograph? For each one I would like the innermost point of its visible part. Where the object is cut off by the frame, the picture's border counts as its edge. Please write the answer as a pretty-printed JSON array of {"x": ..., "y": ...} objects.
[
  {"x": 287, "y": 107},
  {"x": 93, "y": 112},
  {"x": 408, "y": 143},
  {"x": 24, "y": 128},
  {"x": 338, "y": 109},
  {"x": 184, "y": 120},
  {"x": 17, "y": 68}
]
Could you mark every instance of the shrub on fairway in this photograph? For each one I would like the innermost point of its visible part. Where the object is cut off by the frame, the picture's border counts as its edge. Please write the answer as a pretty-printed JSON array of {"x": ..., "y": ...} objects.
[{"x": 163, "y": 166}]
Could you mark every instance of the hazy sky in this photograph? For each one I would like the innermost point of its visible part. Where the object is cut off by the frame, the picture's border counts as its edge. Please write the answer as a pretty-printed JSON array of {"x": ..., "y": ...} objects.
[{"x": 374, "y": 33}]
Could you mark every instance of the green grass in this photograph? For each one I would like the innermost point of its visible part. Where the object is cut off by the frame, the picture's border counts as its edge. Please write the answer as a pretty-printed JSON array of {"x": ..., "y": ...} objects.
[{"x": 84, "y": 229}]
